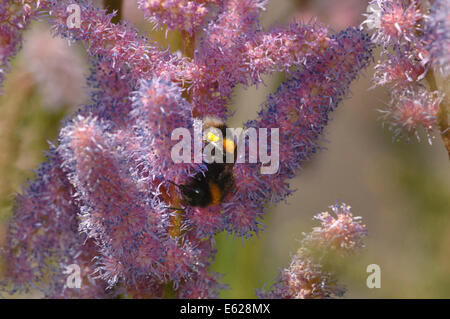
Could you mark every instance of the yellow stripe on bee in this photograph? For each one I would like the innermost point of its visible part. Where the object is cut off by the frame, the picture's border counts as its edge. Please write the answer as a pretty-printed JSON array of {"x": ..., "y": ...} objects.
[
  {"x": 229, "y": 146},
  {"x": 216, "y": 193},
  {"x": 212, "y": 138}
]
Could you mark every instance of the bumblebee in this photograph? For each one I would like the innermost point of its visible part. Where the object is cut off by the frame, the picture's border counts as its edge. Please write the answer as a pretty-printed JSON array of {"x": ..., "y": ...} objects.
[{"x": 210, "y": 186}]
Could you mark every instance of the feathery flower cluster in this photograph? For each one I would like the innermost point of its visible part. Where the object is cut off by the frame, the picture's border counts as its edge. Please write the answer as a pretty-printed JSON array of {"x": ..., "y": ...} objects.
[
  {"x": 438, "y": 32},
  {"x": 184, "y": 15},
  {"x": 307, "y": 277},
  {"x": 235, "y": 38},
  {"x": 15, "y": 16},
  {"x": 110, "y": 176},
  {"x": 300, "y": 108},
  {"x": 413, "y": 109},
  {"x": 43, "y": 238},
  {"x": 393, "y": 20},
  {"x": 414, "y": 39}
]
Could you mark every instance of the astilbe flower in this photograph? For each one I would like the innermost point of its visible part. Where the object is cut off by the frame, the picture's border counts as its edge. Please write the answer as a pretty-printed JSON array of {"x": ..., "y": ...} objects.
[
  {"x": 113, "y": 156},
  {"x": 158, "y": 109},
  {"x": 120, "y": 58},
  {"x": 343, "y": 233},
  {"x": 307, "y": 277},
  {"x": 184, "y": 15},
  {"x": 43, "y": 237},
  {"x": 398, "y": 72},
  {"x": 438, "y": 32},
  {"x": 393, "y": 20},
  {"x": 299, "y": 108},
  {"x": 131, "y": 223},
  {"x": 413, "y": 36},
  {"x": 413, "y": 109},
  {"x": 235, "y": 39},
  {"x": 15, "y": 16}
]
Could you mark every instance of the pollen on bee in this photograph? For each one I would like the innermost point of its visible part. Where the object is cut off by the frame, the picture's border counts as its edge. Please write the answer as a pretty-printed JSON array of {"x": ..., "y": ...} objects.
[
  {"x": 212, "y": 137},
  {"x": 229, "y": 145},
  {"x": 216, "y": 193}
]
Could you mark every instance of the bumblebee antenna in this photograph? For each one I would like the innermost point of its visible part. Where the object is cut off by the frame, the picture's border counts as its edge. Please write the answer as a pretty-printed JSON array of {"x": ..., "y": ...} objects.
[
  {"x": 173, "y": 183},
  {"x": 179, "y": 186}
]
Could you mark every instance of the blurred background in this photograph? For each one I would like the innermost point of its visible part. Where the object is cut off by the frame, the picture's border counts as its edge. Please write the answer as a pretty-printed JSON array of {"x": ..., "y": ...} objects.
[{"x": 402, "y": 190}]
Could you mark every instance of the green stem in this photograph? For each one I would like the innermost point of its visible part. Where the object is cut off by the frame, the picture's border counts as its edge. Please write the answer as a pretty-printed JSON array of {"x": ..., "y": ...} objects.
[
  {"x": 442, "y": 114},
  {"x": 187, "y": 44},
  {"x": 187, "y": 48}
]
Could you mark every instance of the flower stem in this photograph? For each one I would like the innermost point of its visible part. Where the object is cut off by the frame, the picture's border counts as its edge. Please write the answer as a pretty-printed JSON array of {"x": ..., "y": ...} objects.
[
  {"x": 442, "y": 114},
  {"x": 187, "y": 44},
  {"x": 176, "y": 220}
]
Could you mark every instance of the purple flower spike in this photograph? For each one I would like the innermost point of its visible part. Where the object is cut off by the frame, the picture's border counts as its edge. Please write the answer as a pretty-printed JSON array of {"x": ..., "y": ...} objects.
[
  {"x": 236, "y": 51},
  {"x": 159, "y": 109},
  {"x": 44, "y": 228},
  {"x": 438, "y": 33},
  {"x": 300, "y": 109},
  {"x": 15, "y": 16},
  {"x": 114, "y": 211},
  {"x": 393, "y": 20},
  {"x": 307, "y": 277},
  {"x": 184, "y": 15},
  {"x": 413, "y": 108},
  {"x": 342, "y": 232},
  {"x": 415, "y": 42}
]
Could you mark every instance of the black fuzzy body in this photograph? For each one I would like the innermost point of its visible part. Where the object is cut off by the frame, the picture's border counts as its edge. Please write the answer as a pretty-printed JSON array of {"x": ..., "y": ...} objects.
[{"x": 199, "y": 191}]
